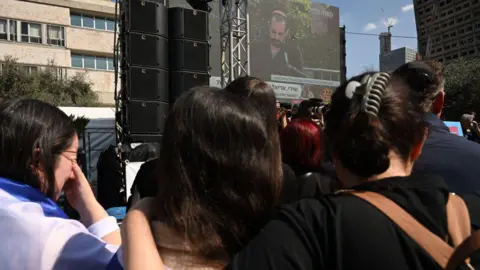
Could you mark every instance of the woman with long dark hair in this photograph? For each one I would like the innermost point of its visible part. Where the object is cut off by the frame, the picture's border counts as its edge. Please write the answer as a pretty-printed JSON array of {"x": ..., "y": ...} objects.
[
  {"x": 261, "y": 95},
  {"x": 218, "y": 179},
  {"x": 376, "y": 135},
  {"x": 38, "y": 160}
]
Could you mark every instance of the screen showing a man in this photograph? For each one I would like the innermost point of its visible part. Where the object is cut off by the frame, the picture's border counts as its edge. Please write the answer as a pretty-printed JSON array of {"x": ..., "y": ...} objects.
[
  {"x": 277, "y": 54},
  {"x": 282, "y": 33}
]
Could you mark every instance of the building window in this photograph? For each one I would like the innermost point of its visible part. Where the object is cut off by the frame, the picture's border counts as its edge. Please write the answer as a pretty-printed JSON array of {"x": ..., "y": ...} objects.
[
  {"x": 100, "y": 23},
  {"x": 76, "y": 19},
  {"x": 77, "y": 61},
  {"x": 31, "y": 32},
  {"x": 29, "y": 69},
  {"x": 101, "y": 63},
  {"x": 94, "y": 22},
  {"x": 13, "y": 30},
  {"x": 92, "y": 62},
  {"x": 89, "y": 62},
  {"x": 110, "y": 65},
  {"x": 88, "y": 22},
  {"x": 8, "y": 30},
  {"x": 3, "y": 29},
  {"x": 55, "y": 35}
]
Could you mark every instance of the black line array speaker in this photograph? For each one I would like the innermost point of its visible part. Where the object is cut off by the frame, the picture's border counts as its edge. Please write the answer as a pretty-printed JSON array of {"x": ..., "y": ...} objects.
[
  {"x": 189, "y": 50},
  {"x": 145, "y": 69}
]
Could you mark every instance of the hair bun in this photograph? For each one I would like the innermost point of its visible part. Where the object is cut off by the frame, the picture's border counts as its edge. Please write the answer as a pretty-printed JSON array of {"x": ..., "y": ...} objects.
[{"x": 364, "y": 153}]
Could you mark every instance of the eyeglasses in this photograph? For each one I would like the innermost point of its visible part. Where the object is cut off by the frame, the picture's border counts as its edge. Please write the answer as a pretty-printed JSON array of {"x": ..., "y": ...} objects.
[{"x": 69, "y": 158}]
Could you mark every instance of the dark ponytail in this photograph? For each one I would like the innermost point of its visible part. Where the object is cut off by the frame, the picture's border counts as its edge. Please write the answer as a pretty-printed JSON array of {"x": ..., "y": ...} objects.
[
  {"x": 365, "y": 152},
  {"x": 362, "y": 139}
]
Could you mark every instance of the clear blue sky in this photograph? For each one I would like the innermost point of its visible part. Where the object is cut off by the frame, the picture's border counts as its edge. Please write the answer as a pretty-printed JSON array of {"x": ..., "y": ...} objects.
[{"x": 370, "y": 16}]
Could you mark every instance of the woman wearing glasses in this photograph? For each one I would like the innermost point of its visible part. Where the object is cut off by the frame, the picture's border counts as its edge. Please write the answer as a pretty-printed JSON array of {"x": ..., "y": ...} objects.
[{"x": 38, "y": 150}]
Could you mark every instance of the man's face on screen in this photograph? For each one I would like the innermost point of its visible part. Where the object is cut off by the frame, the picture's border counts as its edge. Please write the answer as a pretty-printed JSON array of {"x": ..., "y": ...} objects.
[{"x": 278, "y": 33}]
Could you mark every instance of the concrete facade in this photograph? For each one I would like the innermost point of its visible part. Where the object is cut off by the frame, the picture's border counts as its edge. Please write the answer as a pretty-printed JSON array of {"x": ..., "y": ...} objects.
[
  {"x": 448, "y": 29},
  {"x": 394, "y": 59},
  {"x": 37, "y": 32}
]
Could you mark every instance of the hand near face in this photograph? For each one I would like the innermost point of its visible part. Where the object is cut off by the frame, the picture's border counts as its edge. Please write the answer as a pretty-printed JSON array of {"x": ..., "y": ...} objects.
[{"x": 78, "y": 191}]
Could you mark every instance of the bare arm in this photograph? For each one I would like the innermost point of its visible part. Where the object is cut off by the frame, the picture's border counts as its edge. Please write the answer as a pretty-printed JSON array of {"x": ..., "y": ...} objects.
[{"x": 140, "y": 251}]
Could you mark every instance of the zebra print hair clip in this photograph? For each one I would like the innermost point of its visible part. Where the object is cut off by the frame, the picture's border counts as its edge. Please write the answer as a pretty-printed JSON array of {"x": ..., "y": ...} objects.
[{"x": 372, "y": 88}]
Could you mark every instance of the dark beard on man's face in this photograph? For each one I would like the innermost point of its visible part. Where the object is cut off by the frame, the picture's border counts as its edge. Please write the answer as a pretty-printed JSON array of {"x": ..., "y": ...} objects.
[{"x": 275, "y": 43}]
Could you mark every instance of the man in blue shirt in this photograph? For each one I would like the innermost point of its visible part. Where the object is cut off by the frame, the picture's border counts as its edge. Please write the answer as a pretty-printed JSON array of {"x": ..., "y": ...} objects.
[{"x": 454, "y": 158}]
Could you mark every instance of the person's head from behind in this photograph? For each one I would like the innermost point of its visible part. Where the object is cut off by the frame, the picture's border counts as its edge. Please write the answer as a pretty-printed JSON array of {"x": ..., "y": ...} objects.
[
  {"x": 258, "y": 92},
  {"x": 301, "y": 143},
  {"x": 373, "y": 130},
  {"x": 215, "y": 171},
  {"x": 262, "y": 96},
  {"x": 38, "y": 144},
  {"x": 426, "y": 81},
  {"x": 278, "y": 28},
  {"x": 310, "y": 109}
]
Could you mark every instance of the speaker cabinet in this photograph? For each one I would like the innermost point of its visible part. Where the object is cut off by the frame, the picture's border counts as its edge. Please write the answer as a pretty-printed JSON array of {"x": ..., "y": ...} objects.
[
  {"x": 148, "y": 51},
  {"x": 146, "y": 117},
  {"x": 148, "y": 84},
  {"x": 188, "y": 24},
  {"x": 148, "y": 17},
  {"x": 189, "y": 55},
  {"x": 183, "y": 81},
  {"x": 145, "y": 69}
]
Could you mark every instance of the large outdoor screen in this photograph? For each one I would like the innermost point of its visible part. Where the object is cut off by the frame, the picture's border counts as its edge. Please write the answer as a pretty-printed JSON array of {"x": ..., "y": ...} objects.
[{"x": 294, "y": 45}]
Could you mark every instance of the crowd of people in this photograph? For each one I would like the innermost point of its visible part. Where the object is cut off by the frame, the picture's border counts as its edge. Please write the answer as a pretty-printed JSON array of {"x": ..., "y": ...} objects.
[{"x": 374, "y": 180}]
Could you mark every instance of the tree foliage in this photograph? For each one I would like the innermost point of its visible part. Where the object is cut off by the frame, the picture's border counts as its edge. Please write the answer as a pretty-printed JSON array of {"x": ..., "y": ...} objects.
[
  {"x": 46, "y": 85},
  {"x": 462, "y": 88},
  {"x": 296, "y": 10}
]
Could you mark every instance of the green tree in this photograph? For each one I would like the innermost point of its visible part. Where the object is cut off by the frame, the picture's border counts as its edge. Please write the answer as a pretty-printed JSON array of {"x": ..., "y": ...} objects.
[
  {"x": 46, "y": 85},
  {"x": 296, "y": 10},
  {"x": 462, "y": 87}
]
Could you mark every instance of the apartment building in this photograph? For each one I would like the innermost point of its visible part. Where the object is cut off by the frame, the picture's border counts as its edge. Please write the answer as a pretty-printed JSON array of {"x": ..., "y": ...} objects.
[
  {"x": 448, "y": 29},
  {"x": 77, "y": 35}
]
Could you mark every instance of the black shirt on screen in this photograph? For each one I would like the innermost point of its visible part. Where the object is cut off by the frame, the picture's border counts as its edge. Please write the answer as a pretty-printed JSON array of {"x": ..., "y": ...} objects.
[
  {"x": 263, "y": 65},
  {"x": 345, "y": 232}
]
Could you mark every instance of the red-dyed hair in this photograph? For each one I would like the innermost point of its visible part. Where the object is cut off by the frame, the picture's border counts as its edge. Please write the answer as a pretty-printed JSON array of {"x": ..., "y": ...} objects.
[{"x": 301, "y": 143}]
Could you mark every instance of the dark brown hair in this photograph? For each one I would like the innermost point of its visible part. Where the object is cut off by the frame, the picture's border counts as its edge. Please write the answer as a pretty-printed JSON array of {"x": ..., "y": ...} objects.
[
  {"x": 33, "y": 133},
  {"x": 216, "y": 185},
  {"x": 262, "y": 96},
  {"x": 362, "y": 142},
  {"x": 426, "y": 80}
]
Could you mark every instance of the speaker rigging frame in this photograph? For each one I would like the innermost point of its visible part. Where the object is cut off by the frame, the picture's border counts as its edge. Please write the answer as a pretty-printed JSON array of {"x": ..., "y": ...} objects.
[{"x": 234, "y": 40}]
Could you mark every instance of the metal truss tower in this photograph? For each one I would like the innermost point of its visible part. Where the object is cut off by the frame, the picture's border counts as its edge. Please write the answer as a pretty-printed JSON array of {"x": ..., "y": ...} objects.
[{"x": 234, "y": 38}]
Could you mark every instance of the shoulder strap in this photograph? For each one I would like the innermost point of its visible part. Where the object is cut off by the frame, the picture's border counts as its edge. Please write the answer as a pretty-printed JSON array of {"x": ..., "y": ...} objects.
[
  {"x": 438, "y": 249},
  {"x": 464, "y": 251},
  {"x": 458, "y": 218}
]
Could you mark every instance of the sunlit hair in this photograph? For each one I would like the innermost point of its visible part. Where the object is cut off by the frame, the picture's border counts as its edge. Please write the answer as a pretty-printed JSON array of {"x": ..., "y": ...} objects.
[
  {"x": 261, "y": 95},
  {"x": 215, "y": 171}
]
